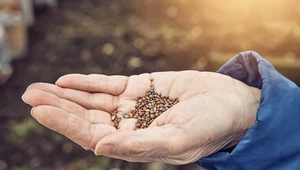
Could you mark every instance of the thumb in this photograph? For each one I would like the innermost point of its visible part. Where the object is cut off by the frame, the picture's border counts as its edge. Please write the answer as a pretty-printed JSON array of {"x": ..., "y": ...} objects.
[{"x": 143, "y": 145}]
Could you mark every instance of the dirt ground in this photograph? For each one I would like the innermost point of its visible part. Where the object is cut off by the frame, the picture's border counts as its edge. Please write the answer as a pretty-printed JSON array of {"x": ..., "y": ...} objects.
[{"x": 114, "y": 37}]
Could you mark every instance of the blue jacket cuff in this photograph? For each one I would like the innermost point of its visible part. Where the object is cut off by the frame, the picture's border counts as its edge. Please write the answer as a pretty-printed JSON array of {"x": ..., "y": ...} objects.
[{"x": 274, "y": 141}]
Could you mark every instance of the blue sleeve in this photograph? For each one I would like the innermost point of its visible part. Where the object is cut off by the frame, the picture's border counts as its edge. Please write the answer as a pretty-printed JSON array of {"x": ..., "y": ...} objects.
[{"x": 274, "y": 141}]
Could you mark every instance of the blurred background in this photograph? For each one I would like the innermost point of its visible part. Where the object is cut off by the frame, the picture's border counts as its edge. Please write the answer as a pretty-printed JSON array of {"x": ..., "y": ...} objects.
[{"x": 40, "y": 40}]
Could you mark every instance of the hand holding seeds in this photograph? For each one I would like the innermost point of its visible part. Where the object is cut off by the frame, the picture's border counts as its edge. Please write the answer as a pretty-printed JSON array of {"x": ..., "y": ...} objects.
[{"x": 171, "y": 117}]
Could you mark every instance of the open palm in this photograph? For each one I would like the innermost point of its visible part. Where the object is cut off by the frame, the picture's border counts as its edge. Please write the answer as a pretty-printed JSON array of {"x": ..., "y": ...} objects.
[{"x": 213, "y": 113}]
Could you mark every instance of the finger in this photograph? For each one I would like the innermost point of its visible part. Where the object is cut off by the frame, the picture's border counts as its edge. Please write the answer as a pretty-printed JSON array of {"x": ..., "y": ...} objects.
[
  {"x": 98, "y": 101},
  {"x": 124, "y": 107},
  {"x": 163, "y": 82},
  {"x": 142, "y": 145},
  {"x": 127, "y": 124},
  {"x": 114, "y": 85},
  {"x": 75, "y": 128},
  {"x": 35, "y": 97},
  {"x": 137, "y": 85}
]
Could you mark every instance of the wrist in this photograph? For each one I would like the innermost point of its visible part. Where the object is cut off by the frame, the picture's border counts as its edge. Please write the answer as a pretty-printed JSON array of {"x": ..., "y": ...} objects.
[{"x": 251, "y": 104}]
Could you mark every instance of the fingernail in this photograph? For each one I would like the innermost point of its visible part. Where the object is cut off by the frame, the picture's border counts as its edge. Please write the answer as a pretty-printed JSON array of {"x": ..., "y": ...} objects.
[
  {"x": 23, "y": 98},
  {"x": 31, "y": 112},
  {"x": 104, "y": 150}
]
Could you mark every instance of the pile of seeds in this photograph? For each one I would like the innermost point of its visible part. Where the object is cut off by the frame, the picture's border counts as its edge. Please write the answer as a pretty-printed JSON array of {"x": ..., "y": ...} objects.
[{"x": 148, "y": 107}]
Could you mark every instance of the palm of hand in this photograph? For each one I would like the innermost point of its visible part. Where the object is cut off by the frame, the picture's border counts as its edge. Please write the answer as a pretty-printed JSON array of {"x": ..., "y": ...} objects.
[{"x": 213, "y": 113}]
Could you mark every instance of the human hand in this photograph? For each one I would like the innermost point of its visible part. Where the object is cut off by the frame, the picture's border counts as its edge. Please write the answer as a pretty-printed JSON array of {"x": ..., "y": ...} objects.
[{"x": 213, "y": 113}]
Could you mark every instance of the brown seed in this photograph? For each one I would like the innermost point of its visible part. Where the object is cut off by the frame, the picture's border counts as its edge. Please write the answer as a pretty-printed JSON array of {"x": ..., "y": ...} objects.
[
  {"x": 130, "y": 115},
  {"x": 113, "y": 117},
  {"x": 152, "y": 116},
  {"x": 141, "y": 114}
]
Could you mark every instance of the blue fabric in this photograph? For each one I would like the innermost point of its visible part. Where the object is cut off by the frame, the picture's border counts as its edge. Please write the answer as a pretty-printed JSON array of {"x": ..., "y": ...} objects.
[{"x": 274, "y": 141}]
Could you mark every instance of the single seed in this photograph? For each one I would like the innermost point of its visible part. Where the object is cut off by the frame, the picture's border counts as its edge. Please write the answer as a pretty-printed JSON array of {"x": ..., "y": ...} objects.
[
  {"x": 152, "y": 116},
  {"x": 113, "y": 117},
  {"x": 141, "y": 114},
  {"x": 116, "y": 124}
]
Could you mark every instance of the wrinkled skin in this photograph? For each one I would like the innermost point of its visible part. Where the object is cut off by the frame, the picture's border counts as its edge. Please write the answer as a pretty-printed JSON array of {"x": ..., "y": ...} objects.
[{"x": 213, "y": 113}]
